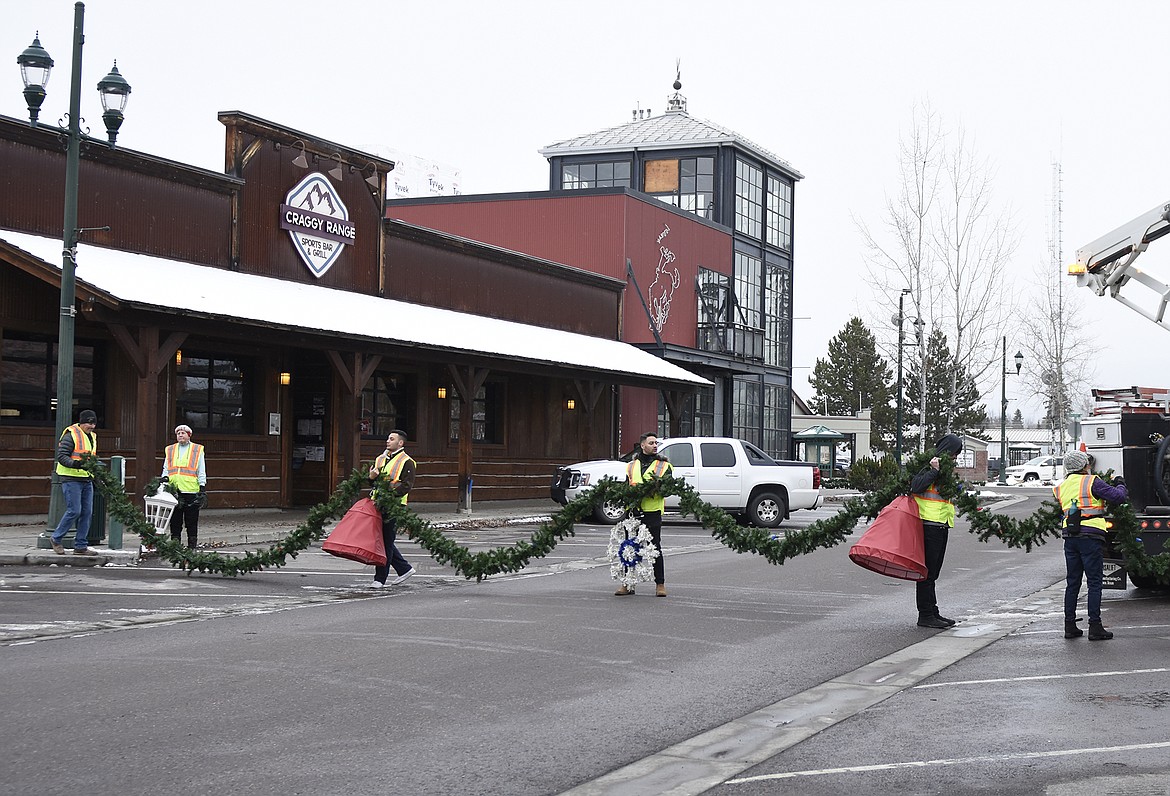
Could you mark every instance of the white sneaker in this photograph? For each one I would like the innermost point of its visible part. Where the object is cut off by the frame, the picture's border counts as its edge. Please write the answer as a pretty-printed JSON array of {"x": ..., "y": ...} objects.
[
  {"x": 402, "y": 577},
  {"x": 377, "y": 585}
]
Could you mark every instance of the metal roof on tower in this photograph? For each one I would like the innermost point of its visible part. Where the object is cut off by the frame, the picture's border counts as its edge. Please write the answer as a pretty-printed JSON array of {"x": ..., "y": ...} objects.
[{"x": 675, "y": 129}]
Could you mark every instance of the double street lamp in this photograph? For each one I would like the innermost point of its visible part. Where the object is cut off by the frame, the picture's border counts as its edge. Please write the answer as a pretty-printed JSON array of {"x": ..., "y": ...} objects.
[
  {"x": 35, "y": 66},
  {"x": 1003, "y": 406}
]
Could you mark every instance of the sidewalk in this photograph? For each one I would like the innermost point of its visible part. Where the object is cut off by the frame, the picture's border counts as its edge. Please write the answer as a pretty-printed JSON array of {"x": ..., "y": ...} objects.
[{"x": 247, "y": 528}]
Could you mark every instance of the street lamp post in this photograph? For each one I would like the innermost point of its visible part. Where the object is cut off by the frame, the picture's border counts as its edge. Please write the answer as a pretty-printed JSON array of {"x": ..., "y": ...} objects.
[
  {"x": 901, "y": 337},
  {"x": 35, "y": 65},
  {"x": 1003, "y": 404}
]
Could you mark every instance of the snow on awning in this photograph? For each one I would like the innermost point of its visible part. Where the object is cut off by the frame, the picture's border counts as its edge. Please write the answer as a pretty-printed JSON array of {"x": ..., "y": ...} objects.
[{"x": 203, "y": 291}]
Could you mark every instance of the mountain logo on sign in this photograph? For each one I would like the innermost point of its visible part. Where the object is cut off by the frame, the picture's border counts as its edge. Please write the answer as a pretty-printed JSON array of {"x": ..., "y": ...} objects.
[{"x": 317, "y": 222}]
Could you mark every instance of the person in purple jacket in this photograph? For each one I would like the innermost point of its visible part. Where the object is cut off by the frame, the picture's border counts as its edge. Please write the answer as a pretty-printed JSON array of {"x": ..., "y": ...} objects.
[{"x": 1082, "y": 497}]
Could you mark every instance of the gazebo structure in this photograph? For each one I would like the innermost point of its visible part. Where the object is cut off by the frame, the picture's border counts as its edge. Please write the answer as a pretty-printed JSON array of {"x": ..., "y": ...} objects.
[{"x": 819, "y": 445}]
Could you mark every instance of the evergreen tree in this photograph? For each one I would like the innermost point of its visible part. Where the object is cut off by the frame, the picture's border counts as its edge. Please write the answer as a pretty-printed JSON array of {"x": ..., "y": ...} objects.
[
  {"x": 1018, "y": 419},
  {"x": 855, "y": 376},
  {"x": 968, "y": 416}
]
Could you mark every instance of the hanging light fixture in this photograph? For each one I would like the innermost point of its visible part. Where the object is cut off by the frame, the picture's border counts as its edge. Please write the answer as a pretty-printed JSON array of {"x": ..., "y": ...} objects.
[
  {"x": 337, "y": 172},
  {"x": 285, "y": 378},
  {"x": 441, "y": 393}
]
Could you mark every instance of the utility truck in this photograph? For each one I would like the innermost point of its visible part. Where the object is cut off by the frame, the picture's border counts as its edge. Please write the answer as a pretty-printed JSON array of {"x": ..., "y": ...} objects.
[{"x": 1129, "y": 429}]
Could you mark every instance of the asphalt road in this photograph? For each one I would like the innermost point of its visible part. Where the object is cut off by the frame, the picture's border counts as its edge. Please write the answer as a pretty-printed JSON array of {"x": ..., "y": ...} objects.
[{"x": 747, "y": 679}]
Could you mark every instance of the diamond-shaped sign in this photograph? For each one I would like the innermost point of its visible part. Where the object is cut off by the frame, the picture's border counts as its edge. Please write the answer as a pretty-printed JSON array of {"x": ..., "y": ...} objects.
[{"x": 317, "y": 221}]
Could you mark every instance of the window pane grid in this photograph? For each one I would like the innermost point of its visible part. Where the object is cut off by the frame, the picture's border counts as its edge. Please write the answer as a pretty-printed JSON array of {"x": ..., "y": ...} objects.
[{"x": 602, "y": 174}]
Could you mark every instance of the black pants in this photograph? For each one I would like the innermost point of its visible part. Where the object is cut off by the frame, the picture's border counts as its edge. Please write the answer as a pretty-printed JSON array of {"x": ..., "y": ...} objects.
[
  {"x": 186, "y": 512},
  {"x": 935, "y": 539},
  {"x": 653, "y": 522},
  {"x": 393, "y": 557}
]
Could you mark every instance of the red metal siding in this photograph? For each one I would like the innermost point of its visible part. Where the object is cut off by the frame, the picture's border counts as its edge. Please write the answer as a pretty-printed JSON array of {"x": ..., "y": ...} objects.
[
  {"x": 598, "y": 234},
  {"x": 467, "y": 282},
  {"x": 582, "y": 231}
]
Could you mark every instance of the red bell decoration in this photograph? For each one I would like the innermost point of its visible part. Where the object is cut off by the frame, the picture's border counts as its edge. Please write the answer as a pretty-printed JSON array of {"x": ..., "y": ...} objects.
[
  {"x": 358, "y": 536},
  {"x": 893, "y": 543}
]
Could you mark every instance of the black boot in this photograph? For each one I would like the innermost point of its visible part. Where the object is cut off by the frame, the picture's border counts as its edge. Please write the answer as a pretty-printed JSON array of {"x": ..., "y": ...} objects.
[
  {"x": 950, "y": 622},
  {"x": 1097, "y": 632},
  {"x": 932, "y": 621},
  {"x": 1071, "y": 630}
]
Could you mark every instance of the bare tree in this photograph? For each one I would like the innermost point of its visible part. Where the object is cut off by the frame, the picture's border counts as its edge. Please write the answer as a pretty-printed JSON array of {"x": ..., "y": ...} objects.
[
  {"x": 1059, "y": 345},
  {"x": 974, "y": 241},
  {"x": 906, "y": 262}
]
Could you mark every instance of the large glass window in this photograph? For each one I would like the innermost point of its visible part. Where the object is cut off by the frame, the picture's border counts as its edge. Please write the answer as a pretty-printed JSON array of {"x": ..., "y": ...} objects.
[
  {"x": 487, "y": 415},
  {"x": 388, "y": 402},
  {"x": 215, "y": 393},
  {"x": 602, "y": 174},
  {"x": 777, "y": 421},
  {"x": 28, "y": 380},
  {"x": 686, "y": 183},
  {"x": 713, "y": 294},
  {"x": 748, "y": 283},
  {"x": 698, "y": 415},
  {"x": 779, "y": 212},
  {"x": 749, "y": 199},
  {"x": 778, "y": 314},
  {"x": 745, "y": 409}
]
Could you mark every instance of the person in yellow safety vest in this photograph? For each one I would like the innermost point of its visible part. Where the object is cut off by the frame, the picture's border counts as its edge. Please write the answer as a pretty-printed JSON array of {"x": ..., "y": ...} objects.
[
  {"x": 1082, "y": 498},
  {"x": 648, "y": 464},
  {"x": 396, "y": 469},
  {"x": 76, "y": 483},
  {"x": 938, "y": 517},
  {"x": 185, "y": 467}
]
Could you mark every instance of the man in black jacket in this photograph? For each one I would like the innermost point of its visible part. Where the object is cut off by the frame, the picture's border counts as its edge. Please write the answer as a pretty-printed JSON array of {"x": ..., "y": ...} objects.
[{"x": 938, "y": 517}]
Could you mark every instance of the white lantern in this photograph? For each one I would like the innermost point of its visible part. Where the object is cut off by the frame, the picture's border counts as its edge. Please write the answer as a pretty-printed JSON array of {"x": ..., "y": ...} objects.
[{"x": 159, "y": 508}]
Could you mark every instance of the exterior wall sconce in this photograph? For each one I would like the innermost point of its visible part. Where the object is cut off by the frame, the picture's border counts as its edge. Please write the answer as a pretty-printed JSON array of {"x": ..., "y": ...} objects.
[
  {"x": 285, "y": 378},
  {"x": 337, "y": 172},
  {"x": 178, "y": 356},
  {"x": 300, "y": 160},
  {"x": 441, "y": 393},
  {"x": 570, "y": 404}
]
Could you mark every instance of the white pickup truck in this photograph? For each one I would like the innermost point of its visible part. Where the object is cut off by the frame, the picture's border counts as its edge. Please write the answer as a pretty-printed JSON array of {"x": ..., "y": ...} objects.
[{"x": 729, "y": 473}]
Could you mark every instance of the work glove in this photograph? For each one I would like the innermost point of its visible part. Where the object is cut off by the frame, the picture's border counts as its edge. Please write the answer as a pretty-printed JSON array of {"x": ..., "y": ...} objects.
[
  {"x": 164, "y": 480},
  {"x": 1118, "y": 480},
  {"x": 201, "y": 498}
]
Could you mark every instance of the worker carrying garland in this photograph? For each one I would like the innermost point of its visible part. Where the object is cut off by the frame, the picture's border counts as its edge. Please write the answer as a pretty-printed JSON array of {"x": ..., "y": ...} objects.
[
  {"x": 185, "y": 468},
  {"x": 1082, "y": 497}
]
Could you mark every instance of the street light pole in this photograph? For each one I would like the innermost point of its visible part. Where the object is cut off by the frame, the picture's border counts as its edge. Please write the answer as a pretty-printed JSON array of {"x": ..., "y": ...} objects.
[
  {"x": 35, "y": 65},
  {"x": 901, "y": 337},
  {"x": 1003, "y": 404}
]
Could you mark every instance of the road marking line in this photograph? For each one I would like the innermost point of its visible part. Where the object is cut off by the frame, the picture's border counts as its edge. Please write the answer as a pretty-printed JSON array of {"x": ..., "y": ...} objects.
[
  {"x": 714, "y": 757},
  {"x": 950, "y": 761},
  {"x": 1042, "y": 677}
]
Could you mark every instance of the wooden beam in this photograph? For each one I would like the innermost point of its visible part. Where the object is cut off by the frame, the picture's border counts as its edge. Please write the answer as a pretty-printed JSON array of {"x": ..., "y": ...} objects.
[{"x": 467, "y": 381}]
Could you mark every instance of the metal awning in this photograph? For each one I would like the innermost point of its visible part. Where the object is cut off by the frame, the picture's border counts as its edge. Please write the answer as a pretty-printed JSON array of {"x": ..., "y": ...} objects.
[{"x": 125, "y": 280}]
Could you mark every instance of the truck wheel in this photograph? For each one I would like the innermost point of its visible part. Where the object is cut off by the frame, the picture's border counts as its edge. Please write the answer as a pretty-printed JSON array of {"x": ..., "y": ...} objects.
[
  {"x": 1031, "y": 477},
  {"x": 767, "y": 510},
  {"x": 609, "y": 513},
  {"x": 1161, "y": 472}
]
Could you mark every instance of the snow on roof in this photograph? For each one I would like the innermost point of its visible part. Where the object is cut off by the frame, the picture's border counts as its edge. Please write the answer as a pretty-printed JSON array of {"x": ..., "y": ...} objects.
[{"x": 185, "y": 288}]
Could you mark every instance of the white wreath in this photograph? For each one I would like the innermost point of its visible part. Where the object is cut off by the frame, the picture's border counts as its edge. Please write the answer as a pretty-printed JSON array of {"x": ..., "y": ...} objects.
[{"x": 631, "y": 552}]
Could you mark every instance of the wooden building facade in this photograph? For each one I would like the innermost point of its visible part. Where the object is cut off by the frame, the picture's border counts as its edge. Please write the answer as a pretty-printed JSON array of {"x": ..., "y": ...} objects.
[{"x": 275, "y": 310}]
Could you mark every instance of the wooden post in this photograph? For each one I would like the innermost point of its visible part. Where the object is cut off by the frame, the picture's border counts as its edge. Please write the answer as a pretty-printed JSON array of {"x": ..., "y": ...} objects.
[
  {"x": 149, "y": 359},
  {"x": 468, "y": 380}
]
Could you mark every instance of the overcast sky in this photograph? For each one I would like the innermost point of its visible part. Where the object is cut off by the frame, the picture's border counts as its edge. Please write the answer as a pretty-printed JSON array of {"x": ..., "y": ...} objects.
[{"x": 827, "y": 86}]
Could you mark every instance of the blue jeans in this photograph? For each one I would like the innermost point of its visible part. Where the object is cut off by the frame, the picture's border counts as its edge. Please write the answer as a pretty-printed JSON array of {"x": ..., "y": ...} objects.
[
  {"x": 1083, "y": 555},
  {"x": 79, "y": 509}
]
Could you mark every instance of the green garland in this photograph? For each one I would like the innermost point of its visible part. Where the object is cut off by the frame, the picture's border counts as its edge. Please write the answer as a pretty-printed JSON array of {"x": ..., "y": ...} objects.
[{"x": 1033, "y": 530}]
